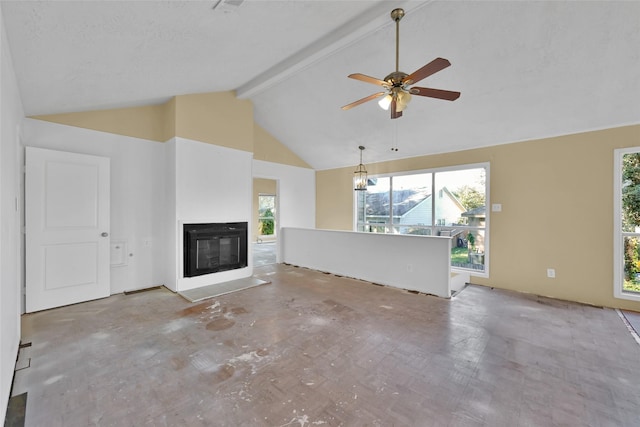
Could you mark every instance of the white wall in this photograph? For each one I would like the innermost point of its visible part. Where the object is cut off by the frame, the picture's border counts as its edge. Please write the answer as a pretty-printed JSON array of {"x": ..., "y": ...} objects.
[
  {"x": 296, "y": 194},
  {"x": 170, "y": 227},
  {"x": 419, "y": 263},
  {"x": 213, "y": 184},
  {"x": 137, "y": 194},
  {"x": 11, "y": 114}
]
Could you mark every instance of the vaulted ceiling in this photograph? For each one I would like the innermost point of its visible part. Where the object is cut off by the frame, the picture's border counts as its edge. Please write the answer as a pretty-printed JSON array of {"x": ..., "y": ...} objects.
[{"x": 526, "y": 69}]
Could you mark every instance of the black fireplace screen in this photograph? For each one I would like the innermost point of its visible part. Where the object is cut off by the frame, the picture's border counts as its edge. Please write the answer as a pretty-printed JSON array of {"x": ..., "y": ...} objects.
[{"x": 210, "y": 248}]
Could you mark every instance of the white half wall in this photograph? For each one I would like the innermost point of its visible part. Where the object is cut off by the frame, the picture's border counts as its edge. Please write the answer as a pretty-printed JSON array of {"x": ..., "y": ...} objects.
[
  {"x": 11, "y": 278},
  {"x": 138, "y": 199},
  {"x": 417, "y": 263},
  {"x": 213, "y": 185},
  {"x": 296, "y": 194}
]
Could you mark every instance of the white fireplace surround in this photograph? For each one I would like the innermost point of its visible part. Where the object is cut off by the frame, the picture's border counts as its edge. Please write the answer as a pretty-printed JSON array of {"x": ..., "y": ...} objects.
[{"x": 213, "y": 184}]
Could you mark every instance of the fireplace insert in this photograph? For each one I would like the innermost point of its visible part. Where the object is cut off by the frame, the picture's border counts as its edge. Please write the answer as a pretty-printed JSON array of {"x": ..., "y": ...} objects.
[{"x": 210, "y": 248}]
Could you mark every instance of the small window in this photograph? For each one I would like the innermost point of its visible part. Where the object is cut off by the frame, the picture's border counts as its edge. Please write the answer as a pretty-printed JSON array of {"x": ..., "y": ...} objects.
[{"x": 267, "y": 214}]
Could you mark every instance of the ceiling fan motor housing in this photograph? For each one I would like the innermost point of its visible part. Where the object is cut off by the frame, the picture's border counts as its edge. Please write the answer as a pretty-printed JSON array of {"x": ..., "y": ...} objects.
[{"x": 396, "y": 78}]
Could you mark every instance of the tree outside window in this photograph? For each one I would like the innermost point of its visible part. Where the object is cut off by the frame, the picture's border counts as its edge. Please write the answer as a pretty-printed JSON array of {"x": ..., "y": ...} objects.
[
  {"x": 266, "y": 214},
  {"x": 631, "y": 220}
]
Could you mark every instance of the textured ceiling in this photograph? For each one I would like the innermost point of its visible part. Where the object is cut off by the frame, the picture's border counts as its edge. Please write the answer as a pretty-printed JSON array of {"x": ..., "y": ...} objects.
[{"x": 525, "y": 69}]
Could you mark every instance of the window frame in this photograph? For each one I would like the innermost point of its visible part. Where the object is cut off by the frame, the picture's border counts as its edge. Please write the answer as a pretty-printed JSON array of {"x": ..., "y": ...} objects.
[
  {"x": 433, "y": 172},
  {"x": 618, "y": 233}
]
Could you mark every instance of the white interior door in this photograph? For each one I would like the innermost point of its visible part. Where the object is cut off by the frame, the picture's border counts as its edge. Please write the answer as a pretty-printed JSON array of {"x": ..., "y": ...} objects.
[{"x": 67, "y": 228}]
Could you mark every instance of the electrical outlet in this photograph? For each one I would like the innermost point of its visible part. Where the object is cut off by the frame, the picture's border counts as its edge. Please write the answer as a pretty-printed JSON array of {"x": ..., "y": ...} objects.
[
  {"x": 409, "y": 268},
  {"x": 551, "y": 273}
]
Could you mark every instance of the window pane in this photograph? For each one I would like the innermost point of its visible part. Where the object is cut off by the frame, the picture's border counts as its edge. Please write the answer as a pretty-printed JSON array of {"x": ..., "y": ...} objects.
[
  {"x": 631, "y": 264},
  {"x": 360, "y": 209},
  {"x": 460, "y": 198},
  {"x": 376, "y": 204},
  {"x": 626, "y": 236},
  {"x": 631, "y": 192},
  {"x": 412, "y": 204},
  {"x": 266, "y": 214},
  {"x": 468, "y": 250}
]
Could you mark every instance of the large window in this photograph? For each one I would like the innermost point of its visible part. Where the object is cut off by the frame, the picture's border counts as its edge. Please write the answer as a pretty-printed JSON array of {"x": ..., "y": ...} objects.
[
  {"x": 445, "y": 202},
  {"x": 627, "y": 223}
]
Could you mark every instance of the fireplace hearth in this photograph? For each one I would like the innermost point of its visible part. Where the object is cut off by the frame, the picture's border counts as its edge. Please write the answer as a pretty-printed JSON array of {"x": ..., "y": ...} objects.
[{"x": 214, "y": 247}]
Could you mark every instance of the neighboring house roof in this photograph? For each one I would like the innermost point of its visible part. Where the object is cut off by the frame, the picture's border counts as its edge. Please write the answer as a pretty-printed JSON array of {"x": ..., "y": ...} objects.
[
  {"x": 479, "y": 212},
  {"x": 403, "y": 201}
]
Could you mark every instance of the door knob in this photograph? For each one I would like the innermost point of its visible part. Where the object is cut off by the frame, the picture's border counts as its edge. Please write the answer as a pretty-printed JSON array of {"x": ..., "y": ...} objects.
[{"x": 105, "y": 234}]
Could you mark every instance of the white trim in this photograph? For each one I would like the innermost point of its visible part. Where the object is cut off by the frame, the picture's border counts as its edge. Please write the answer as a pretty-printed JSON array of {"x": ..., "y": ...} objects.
[
  {"x": 633, "y": 332},
  {"x": 433, "y": 170},
  {"x": 618, "y": 256},
  {"x": 487, "y": 218}
]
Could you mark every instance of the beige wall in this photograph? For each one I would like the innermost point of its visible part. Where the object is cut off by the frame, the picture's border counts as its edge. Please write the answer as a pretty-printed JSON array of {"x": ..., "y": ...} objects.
[
  {"x": 261, "y": 186},
  {"x": 269, "y": 149},
  {"x": 557, "y": 211},
  {"x": 152, "y": 122},
  {"x": 334, "y": 199},
  {"x": 216, "y": 118},
  {"x": 168, "y": 123}
]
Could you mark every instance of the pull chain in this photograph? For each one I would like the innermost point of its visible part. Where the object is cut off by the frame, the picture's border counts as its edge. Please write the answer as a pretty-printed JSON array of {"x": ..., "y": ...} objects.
[{"x": 394, "y": 136}]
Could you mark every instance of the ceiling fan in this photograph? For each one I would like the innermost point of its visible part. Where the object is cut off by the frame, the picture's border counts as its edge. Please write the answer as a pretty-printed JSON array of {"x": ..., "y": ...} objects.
[{"x": 397, "y": 92}]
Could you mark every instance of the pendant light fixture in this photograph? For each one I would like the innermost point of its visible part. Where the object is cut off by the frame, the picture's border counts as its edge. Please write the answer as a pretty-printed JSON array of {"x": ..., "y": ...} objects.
[{"x": 360, "y": 175}]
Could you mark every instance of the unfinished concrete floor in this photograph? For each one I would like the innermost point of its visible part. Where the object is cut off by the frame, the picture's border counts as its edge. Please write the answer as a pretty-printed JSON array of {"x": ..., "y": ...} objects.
[{"x": 314, "y": 349}]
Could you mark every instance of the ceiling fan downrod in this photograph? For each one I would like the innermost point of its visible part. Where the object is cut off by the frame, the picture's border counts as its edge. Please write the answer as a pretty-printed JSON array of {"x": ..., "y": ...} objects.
[
  {"x": 396, "y": 78},
  {"x": 396, "y": 15}
]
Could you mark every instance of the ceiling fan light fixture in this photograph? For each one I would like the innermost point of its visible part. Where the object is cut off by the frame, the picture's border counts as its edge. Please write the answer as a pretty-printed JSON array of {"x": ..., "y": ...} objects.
[
  {"x": 403, "y": 100},
  {"x": 385, "y": 102}
]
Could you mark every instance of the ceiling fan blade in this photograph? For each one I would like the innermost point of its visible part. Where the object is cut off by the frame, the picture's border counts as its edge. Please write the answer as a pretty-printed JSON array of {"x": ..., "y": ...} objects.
[
  {"x": 427, "y": 70},
  {"x": 435, "y": 93},
  {"x": 394, "y": 112},
  {"x": 363, "y": 100},
  {"x": 368, "y": 79}
]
